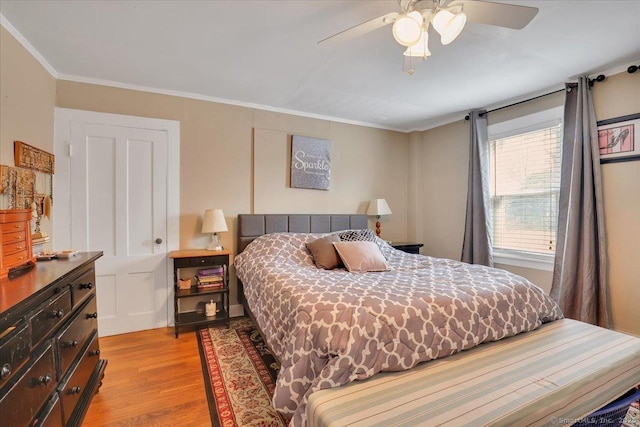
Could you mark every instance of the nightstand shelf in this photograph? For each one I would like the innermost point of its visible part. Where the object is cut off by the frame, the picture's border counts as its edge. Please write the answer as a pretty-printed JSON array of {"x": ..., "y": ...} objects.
[
  {"x": 195, "y": 291},
  {"x": 189, "y": 303},
  {"x": 192, "y": 318},
  {"x": 409, "y": 247}
]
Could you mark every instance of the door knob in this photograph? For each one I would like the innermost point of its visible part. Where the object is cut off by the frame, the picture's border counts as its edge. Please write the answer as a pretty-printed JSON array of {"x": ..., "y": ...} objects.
[{"x": 158, "y": 240}]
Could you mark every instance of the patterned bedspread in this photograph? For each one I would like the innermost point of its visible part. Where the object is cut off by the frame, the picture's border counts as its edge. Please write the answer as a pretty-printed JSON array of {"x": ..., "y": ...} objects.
[{"x": 331, "y": 327}]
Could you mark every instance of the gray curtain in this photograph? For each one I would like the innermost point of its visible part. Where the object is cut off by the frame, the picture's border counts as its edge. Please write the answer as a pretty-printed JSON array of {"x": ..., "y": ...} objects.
[
  {"x": 579, "y": 277},
  {"x": 477, "y": 247}
]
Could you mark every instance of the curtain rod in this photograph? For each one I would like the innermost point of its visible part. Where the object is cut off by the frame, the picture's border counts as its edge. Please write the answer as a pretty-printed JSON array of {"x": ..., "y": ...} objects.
[{"x": 598, "y": 79}]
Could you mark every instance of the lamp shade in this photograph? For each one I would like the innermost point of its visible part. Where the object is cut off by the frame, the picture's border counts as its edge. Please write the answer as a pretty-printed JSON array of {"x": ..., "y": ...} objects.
[
  {"x": 214, "y": 221},
  {"x": 407, "y": 29},
  {"x": 449, "y": 25},
  {"x": 378, "y": 207}
]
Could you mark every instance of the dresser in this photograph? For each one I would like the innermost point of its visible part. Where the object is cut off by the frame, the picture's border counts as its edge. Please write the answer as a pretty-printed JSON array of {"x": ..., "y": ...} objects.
[{"x": 50, "y": 365}]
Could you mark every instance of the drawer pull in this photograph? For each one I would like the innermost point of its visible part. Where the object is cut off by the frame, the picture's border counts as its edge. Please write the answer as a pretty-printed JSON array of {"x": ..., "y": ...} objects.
[
  {"x": 86, "y": 285},
  {"x": 6, "y": 371},
  {"x": 18, "y": 247},
  {"x": 93, "y": 315},
  {"x": 75, "y": 390},
  {"x": 58, "y": 313},
  {"x": 95, "y": 353},
  {"x": 71, "y": 344},
  {"x": 17, "y": 226},
  {"x": 45, "y": 379}
]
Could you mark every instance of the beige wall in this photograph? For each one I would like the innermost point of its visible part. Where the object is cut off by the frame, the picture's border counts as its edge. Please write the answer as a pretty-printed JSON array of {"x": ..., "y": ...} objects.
[
  {"x": 617, "y": 96},
  {"x": 237, "y": 159},
  {"x": 422, "y": 175},
  {"x": 442, "y": 199},
  {"x": 27, "y": 98}
]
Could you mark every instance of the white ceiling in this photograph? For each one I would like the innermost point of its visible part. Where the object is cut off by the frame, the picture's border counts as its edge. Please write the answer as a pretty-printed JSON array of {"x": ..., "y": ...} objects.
[{"x": 265, "y": 54}]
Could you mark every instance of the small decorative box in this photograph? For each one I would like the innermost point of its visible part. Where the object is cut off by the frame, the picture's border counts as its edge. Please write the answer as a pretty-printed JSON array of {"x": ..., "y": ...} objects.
[{"x": 184, "y": 283}]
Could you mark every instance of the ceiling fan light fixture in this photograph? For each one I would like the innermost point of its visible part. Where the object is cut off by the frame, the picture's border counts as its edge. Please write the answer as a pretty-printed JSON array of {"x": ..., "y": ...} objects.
[
  {"x": 407, "y": 30},
  {"x": 420, "y": 49},
  {"x": 449, "y": 25}
]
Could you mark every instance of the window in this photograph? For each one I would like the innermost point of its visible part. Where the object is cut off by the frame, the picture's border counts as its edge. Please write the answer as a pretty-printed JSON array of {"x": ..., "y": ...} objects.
[{"x": 525, "y": 156}]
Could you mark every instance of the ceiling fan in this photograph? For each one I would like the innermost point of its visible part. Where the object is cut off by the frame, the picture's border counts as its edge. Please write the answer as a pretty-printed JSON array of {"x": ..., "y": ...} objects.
[{"x": 448, "y": 18}]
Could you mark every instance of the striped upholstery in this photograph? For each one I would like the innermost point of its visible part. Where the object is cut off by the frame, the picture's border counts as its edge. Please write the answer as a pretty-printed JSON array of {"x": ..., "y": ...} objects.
[{"x": 551, "y": 376}]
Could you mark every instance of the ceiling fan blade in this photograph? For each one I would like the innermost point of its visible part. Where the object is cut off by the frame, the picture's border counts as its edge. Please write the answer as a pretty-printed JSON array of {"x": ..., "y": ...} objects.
[
  {"x": 498, "y": 14},
  {"x": 360, "y": 29}
]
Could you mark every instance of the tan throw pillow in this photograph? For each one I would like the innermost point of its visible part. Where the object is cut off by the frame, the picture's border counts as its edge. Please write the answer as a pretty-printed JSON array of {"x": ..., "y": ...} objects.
[
  {"x": 361, "y": 256},
  {"x": 323, "y": 252}
]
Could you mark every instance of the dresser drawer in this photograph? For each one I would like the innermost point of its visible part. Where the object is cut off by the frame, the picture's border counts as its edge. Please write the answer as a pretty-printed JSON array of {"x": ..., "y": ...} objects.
[
  {"x": 74, "y": 386},
  {"x": 14, "y": 350},
  {"x": 83, "y": 286},
  {"x": 24, "y": 400},
  {"x": 51, "y": 415},
  {"x": 14, "y": 237},
  {"x": 12, "y": 248},
  {"x": 10, "y": 227},
  {"x": 49, "y": 316},
  {"x": 73, "y": 337},
  {"x": 17, "y": 258}
]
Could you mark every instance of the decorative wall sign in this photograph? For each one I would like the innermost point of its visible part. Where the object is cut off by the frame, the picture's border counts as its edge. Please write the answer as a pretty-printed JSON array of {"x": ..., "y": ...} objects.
[
  {"x": 30, "y": 157},
  {"x": 618, "y": 139},
  {"x": 310, "y": 162}
]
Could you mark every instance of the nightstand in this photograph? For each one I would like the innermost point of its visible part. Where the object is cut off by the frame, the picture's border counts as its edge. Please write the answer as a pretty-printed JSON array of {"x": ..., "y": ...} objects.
[
  {"x": 411, "y": 248},
  {"x": 189, "y": 303}
]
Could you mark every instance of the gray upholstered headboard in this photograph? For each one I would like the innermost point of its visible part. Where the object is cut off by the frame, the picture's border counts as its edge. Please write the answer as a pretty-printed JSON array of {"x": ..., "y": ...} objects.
[{"x": 251, "y": 226}]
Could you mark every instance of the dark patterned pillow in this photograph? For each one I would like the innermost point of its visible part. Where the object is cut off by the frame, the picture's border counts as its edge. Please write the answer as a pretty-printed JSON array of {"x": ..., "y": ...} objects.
[{"x": 366, "y": 235}]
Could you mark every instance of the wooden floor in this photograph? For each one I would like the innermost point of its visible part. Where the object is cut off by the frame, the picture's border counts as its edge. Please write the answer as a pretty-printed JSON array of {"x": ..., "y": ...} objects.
[{"x": 151, "y": 379}]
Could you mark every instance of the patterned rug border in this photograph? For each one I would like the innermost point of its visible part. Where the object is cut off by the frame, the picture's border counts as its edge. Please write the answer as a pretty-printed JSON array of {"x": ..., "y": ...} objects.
[
  {"x": 226, "y": 407},
  {"x": 213, "y": 414}
]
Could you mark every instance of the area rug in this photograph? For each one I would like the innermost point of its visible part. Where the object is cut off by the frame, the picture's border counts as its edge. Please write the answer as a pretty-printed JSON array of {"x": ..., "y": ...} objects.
[{"x": 240, "y": 375}]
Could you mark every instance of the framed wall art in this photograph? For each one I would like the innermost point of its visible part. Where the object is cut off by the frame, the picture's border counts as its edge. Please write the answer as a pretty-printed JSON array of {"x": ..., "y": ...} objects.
[
  {"x": 310, "y": 162},
  {"x": 27, "y": 156},
  {"x": 618, "y": 139}
]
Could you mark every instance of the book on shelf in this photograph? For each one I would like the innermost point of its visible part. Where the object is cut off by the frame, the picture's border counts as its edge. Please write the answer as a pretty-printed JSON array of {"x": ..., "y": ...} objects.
[
  {"x": 211, "y": 279},
  {"x": 210, "y": 282},
  {"x": 212, "y": 271},
  {"x": 211, "y": 285}
]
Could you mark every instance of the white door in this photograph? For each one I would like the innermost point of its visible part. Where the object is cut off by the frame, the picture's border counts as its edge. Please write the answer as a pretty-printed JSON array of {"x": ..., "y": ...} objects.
[{"x": 118, "y": 177}]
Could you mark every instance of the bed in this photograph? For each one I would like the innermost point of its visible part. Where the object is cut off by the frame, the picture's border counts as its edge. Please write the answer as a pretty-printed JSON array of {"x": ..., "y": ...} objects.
[{"x": 482, "y": 332}]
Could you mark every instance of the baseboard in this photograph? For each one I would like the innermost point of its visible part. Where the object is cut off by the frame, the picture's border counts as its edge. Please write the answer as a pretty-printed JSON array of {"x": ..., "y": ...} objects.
[{"x": 236, "y": 310}]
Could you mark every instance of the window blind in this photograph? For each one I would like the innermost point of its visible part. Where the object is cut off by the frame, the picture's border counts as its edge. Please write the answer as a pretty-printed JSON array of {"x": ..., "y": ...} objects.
[{"x": 525, "y": 184}]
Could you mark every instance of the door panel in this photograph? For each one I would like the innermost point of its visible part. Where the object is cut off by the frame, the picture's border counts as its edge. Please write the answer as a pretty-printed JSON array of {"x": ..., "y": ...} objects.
[
  {"x": 119, "y": 206},
  {"x": 100, "y": 174}
]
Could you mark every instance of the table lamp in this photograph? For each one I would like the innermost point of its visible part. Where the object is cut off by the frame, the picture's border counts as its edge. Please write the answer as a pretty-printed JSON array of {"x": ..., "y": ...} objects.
[
  {"x": 378, "y": 207},
  {"x": 214, "y": 223}
]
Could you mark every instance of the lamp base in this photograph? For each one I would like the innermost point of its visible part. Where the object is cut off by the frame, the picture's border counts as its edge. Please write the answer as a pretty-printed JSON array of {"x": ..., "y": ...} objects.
[
  {"x": 215, "y": 244},
  {"x": 378, "y": 227}
]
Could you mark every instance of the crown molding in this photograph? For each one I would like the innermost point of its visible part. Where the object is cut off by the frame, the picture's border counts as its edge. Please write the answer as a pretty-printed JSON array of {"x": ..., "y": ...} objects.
[
  {"x": 190, "y": 95},
  {"x": 25, "y": 43}
]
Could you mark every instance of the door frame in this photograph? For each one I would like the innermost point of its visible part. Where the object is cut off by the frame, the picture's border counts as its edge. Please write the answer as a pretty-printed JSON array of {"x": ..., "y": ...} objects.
[{"x": 63, "y": 150}]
